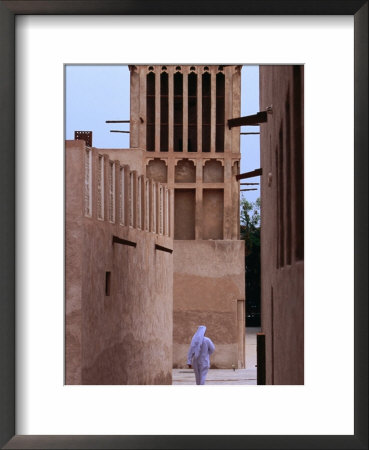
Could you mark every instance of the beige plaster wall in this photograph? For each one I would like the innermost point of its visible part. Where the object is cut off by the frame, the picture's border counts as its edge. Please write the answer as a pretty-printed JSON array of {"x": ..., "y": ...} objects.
[
  {"x": 124, "y": 337},
  {"x": 208, "y": 282},
  {"x": 133, "y": 157}
]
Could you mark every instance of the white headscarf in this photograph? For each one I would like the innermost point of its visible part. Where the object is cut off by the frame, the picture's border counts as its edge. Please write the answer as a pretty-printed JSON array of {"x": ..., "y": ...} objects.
[{"x": 197, "y": 339}]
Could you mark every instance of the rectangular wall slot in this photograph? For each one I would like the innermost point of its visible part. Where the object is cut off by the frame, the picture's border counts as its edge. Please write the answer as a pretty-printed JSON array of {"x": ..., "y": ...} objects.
[{"x": 107, "y": 283}]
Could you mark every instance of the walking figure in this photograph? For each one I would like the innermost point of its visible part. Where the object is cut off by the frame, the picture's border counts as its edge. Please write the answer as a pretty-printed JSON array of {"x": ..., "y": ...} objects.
[{"x": 199, "y": 354}]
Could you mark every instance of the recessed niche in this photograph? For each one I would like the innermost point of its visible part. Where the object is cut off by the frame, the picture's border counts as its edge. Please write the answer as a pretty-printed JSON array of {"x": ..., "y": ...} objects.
[
  {"x": 157, "y": 171},
  {"x": 213, "y": 211},
  {"x": 184, "y": 214},
  {"x": 185, "y": 172},
  {"x": 213, "y": 172}
]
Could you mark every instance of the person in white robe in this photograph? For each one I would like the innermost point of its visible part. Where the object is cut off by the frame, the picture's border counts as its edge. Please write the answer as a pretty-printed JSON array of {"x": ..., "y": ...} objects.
[{"x": 199, "y": 354}]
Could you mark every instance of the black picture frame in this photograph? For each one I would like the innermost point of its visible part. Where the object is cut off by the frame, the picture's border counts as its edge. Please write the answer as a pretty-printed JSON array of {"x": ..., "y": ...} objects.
[{"x": 8, "y": 11}]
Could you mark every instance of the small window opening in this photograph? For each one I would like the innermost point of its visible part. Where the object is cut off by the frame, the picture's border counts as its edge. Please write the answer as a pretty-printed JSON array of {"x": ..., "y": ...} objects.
[
  {"x": 107, "y": 283},
  {"x": 164, "y": 112},
  {"x": 206, "y": 111},
  {"x": 150, "y": 111},
  {"x": 178, "y": 111},
  {"x": 192, "y": 112},
  {"x": 220, "y": 112}
]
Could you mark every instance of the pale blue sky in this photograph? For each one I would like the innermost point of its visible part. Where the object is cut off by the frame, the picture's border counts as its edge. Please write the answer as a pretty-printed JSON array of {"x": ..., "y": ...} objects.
[{"x": 96, "y": 93}]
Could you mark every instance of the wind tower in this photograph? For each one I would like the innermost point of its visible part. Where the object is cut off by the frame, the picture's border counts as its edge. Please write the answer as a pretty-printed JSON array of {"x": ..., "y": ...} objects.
[{"x": 179, "y": 117}]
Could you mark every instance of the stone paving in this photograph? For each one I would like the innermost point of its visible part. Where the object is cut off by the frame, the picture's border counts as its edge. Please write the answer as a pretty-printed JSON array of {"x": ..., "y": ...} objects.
[{"x": 245, "y": 376}]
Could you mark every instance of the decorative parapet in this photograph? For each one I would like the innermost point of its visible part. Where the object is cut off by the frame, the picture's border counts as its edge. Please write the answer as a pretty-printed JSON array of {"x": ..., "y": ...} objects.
[{"x": 123, "y": 197}]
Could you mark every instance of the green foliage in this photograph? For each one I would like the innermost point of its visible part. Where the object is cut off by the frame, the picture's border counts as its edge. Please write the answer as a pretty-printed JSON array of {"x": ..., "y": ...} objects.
[
  {"x": 250, "y": 224},
  {"x": 250, "y": 233}
]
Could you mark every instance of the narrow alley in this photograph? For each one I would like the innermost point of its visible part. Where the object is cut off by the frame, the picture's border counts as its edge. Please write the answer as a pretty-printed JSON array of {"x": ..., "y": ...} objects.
[{"x": 245, "y": 376}]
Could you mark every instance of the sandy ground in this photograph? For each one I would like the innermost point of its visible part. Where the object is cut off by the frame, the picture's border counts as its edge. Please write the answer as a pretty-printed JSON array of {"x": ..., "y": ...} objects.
[{"x": 245, "y": 376}]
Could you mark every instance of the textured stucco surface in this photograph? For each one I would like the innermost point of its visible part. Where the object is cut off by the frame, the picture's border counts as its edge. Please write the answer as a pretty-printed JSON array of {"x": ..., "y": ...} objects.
[
  {"x": 134, "y": 158},
  {"x": 157, "y": 170},
  {"x": 208, "y": 281},
  {"x": 213, "y": 172},
  {"x": 127, "y": 335},
  {"x": 282, "y": 267},
  {"x": 124, "y": 337}
]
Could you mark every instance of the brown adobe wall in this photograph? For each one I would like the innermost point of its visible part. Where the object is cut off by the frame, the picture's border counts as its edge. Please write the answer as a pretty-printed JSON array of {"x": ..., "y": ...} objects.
[
  {"x": 123, "y": 336},
  {"x": 282, "y": 223},
  {"x": 208, "y": 284}
]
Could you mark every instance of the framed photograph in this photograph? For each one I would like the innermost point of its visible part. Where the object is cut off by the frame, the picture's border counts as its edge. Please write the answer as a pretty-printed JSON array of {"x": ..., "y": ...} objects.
[{"x": 190, "y": 53}]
